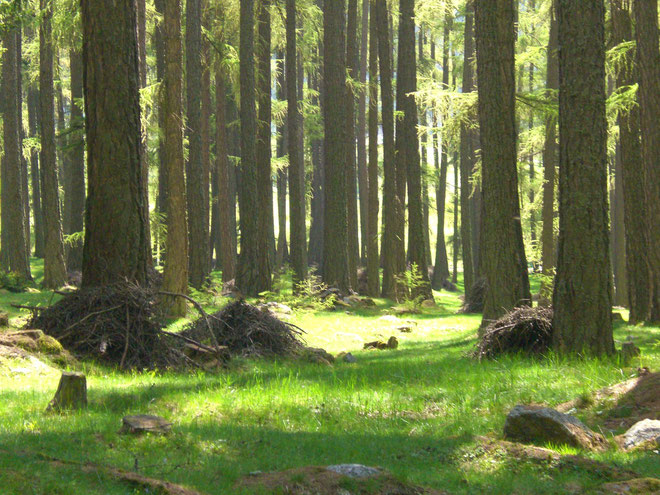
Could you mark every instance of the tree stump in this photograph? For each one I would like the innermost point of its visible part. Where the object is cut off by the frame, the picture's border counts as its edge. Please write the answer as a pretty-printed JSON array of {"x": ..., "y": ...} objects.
[
  {"x": 145, "y": 423},
  {"x": 4, "y": 320},
  {"x": 71, "y": 393}
]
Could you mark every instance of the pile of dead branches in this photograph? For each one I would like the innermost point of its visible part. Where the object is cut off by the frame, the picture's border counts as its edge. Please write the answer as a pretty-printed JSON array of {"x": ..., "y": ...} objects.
[
  {"x": 245, "y": 330},
  {"x": 524, "y": 330},
  {"x": 116, "y": 324}
]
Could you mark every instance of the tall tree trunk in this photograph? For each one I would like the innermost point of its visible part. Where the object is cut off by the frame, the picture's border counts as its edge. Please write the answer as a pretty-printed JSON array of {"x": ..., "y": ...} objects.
[
  {"x": 296, "y": 155},
  {"x": 633, "y": 177},
  {"x": 467, "y": 158},
  {"x": 363, "y": 179},
  {"x": 25, "y": 189},
  {"x": 457, "y": 237},
  {"x": 77, "y": 161},
  {"x": 505, "y": 265},
  {"x": 550, "y": 160},
  {"x": 282, "y": 252},
  {"x": 583, "y": 287},
  {"x": 14, "y": 246},
  {"x": 317, "y": 205},
  {"x": 206, "y": 132},
  {"x": 352, "y": 67},
  {"x": 390, "y": 241},
  {"x": 175, "y": 271},
  {"x": 198, "y": 220},
  {"x": 142, "y": 64},
  {"x": 34, "y": 125},
  {"x": 648, "y": 63},
  {"x": 54, "y": 267},
  {"x": 441, "y": 266},
  {"x": 161, "y": 199},
  {"x": 373, "y": 260},
  {"x": 424, "y": 160},
  {"x": 115, "y": 223},
  {"x": 618, "y": 233},
  {"x": 335, "y": 233},
  {"x": 408, "y": 142},
  {"x": 253, "y": 272}
]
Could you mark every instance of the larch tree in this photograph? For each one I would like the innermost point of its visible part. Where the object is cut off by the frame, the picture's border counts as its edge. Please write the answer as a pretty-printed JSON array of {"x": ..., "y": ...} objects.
[
  {"x": 373, "y": 260},
  {"x": 504, "y": 262},
  {"x": 175, "y": 271},
  {"x": 116, "y": 245},
  {"x": 15, "y": 250},
  {"x": 407, "y": 142},
  {"x": 54, "y": 265},
  {"x": 296, "y": 156},
  {"x": 648, "y": 66},
  {"x": 582, "y": 297},
  {"x": 335, "y": 228}
]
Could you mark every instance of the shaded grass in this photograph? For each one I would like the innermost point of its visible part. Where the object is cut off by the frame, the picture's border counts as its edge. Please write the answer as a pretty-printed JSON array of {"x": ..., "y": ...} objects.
[{"x": 414, "y": 411}]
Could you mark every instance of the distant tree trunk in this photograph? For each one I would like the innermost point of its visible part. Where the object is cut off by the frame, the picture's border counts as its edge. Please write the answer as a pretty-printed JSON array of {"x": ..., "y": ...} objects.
[
  {"x": 373, "y": 260},
  {"x": 390, "y": 241},
  {"x": 14, "y": 246},
  {"x": 457, "y": 237},
  {"x": 253, "y": 273},
  {"x": 175, "y": 271},
  {"x": 441, "y": 266},
  {"x": 352, "y": 67},
  {"x": 142, "y": 64},
  {"x": 424, "y": 160},
  {"x": 634, "y": 179},
  {"x": 408, "y": 142},
  {"x": 618, "y": 233},
  {"x": 505, "y": 265},
  {"x": 161, "y": 200},
  {"x": 363, "y": 179},
  {"x": 77, "y": 157},
  {"x": 583, "y": 287},
  {"x": 198, "y": 220},
  {"x": 296, "y": 155},
  {"x": 648, "y": 63},
  {"x": 282, "y": 251},
  {"x": 467, "y": 158},
  {"x": 318, "y": 179},
  {"x": 54, "y": 266},
  {"x": 25, "y": 189},
  {"x": 206, "y": 132},
  {"x": 234, "y": 151},
  {"x": 115, "y": 224},
  {"x": 35, "y": 175},
  {"x": 550, "y": 159},
  {"x": 335, "y": 233}
]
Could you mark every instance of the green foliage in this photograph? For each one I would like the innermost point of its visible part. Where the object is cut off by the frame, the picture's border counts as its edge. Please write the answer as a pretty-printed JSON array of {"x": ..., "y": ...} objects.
[
  {"x": 307, "y": 293},
  {"x": 74, "y": 239},
  {"x": 13, "y": 282},
  {"x": 409, "y": 284}
]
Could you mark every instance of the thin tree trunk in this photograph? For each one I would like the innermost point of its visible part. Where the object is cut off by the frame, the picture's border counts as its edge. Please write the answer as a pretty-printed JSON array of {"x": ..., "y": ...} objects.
[
  {"x": 35, "y": 175},
  {"x": 363, "y": 179},
  {"x": 318, "y": 180},
  {"x": 77, "y": 161},
  {"x": 282, "y": 252},
  {"x": 457, "y": 237},
  {"x": 373, "y": 260},
  {"x": 142, "y": 64},
  {"x": 161, "y": 200}
]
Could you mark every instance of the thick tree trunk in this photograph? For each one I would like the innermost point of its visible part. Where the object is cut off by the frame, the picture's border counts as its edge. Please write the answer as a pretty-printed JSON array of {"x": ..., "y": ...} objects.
[
  {"x": 115, "y": 223},
  {"x": 373, "y": 260},
  {"x": 505, "y": 265},
  {"x": 408, "y": 143},
  {"x": 648, "y": 63},
  {"x": 583, "y": 287},
  {"x": 14, "y": 246},
  {"x": 390, "y": 241},
  {"x": 363, "y": 179},
  {"x": 77, "y": 161},
  {"x": 335, "y": 232},
  {"x": 550, "y": 159},
  {"x": 54, "y": 266}
]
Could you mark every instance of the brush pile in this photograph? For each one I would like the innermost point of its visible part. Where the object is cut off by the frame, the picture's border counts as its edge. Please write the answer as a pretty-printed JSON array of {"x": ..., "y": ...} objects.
[
  {"x": 245, "y": 330},
  {"x": 117, "y": 324},
  {"x": 524, "y": 330}
]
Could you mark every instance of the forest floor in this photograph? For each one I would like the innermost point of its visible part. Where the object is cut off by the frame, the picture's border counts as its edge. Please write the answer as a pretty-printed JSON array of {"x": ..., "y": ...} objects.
[{"x": 420, "y": 411}]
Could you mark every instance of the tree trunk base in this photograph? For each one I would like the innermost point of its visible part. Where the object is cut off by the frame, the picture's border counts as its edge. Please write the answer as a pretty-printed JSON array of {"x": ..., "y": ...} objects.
[{"x": 71, "y": 393}]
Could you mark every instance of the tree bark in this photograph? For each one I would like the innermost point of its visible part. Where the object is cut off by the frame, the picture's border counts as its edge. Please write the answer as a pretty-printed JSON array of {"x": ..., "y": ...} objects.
[
  {"x": 648, "y": 63},
  {"x": 582, "y": 297},
  {"x": 35, "y": 174},
  {"x": 115, "y": 223},
  {"x": 373, "y": 260},
  {"x": 505, "y": 265},
  {"x": 77, "y": 161},
  {"x": 54, "y": 266},
  {"x": 161, "y": 199},
  {"x": 363, "y": 179}
]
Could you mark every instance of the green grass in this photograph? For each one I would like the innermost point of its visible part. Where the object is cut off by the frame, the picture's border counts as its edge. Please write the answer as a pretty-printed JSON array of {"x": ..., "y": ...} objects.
[{"x": 414, "y": 411}]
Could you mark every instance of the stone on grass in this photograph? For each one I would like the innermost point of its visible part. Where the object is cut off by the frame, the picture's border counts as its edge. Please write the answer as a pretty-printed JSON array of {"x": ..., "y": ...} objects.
[
  {"x": 647, "y": 430},
  {"x": 355, "y": 470},
  {"x": 542, "y": 424},
  {"x": 145, "y": 423},
  {"x": 347, "y": 357},
  {"x": 71, "y": 393}
]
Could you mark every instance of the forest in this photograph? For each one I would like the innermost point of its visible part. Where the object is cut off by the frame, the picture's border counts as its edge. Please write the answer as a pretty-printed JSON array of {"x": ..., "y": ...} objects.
[{"x": 329, "y": 247}]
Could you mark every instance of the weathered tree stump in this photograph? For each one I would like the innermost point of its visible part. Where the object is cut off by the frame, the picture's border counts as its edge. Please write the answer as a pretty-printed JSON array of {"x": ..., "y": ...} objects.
[
  {"x": 71, "y": 393},
  {"x": 145, "y": 423},
  {"x": 4, "y": 320}
]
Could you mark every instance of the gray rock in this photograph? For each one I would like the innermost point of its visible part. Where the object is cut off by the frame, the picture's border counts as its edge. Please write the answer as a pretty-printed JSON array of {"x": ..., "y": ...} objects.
[
  {"x": 355, "y": 470},
  {"x": 641, "y": 432},
  {"x": 349, "y": 358},
  {"x": 542, "y": 424}
]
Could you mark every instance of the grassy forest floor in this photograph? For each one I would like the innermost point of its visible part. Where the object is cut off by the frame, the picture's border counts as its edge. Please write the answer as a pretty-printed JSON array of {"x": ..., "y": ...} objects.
[{"x": 417, "y": 411}]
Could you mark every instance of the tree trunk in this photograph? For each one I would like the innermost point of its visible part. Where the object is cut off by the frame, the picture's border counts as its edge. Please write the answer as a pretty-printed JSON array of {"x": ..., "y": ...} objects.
[
  {"x": 77, "y": 161},
  {"x": 318, "y": 179},
  {"x": 142, "y": 64},
  {"x": 25, "y": 189},
  {"x": 408, "y": 142},
  {"x": 161, "y": 199},
  {"x": 335, "y": 233},
  {"x": 206, "y": 133},
  {"x": 363, "y": 179},
  {"x": 505, "y": 265},
  {"x": 115, "y": 223},
  {"x": 14, "y": 246},
  {"x": 390, "y": 241},
  {"x": 198, "y": 219},
  {"x": 648, "y": 63},
  {"x": 583, "y": 287},
  {"x": 35, "y": 175},
  {"x": 54, "y": 267},
  {"x": 71, "y": 393},
  {"x": 457, "y": 237},
  {"x": 550, "y": 159},
  {"x": 373, "y": 260}
]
